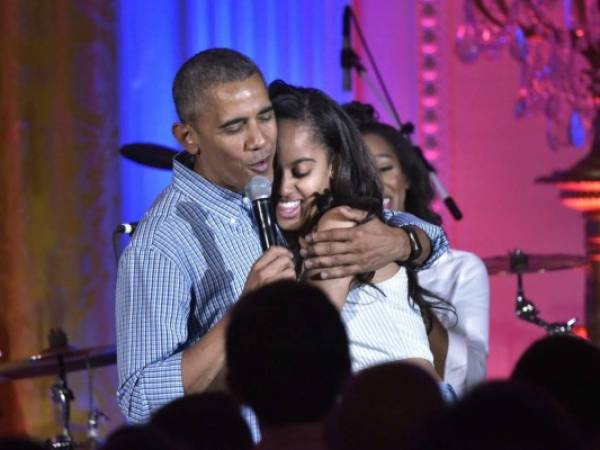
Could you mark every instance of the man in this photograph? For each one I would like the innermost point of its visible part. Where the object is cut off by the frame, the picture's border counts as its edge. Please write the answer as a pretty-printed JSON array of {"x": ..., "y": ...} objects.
[
  {"x": 197, "y": 249},
  {"x": 292, "y": 340}
]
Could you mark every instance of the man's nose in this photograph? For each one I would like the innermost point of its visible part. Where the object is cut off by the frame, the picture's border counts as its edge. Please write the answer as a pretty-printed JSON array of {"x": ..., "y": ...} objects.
[{"x": 256, "y": 138}]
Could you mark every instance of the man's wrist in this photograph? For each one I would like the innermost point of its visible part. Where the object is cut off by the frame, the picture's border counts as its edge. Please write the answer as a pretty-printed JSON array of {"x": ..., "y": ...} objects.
[{"x": 415, "y": 246}]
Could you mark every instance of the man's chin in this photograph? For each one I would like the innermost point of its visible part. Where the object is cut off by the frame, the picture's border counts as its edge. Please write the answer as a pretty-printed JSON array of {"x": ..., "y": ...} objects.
[{"x": 268, "y": 173}]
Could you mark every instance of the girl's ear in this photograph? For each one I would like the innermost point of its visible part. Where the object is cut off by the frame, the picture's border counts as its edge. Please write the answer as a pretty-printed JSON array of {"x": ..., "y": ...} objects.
[{"x": 331, "y": 172}]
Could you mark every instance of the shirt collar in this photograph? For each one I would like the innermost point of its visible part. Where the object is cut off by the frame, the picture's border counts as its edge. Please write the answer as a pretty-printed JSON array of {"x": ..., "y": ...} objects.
[{"x": 216, "y": 198}]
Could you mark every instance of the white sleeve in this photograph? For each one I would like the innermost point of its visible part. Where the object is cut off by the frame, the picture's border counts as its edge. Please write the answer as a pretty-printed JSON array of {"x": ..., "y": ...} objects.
[{"x": 461, "y": 278}]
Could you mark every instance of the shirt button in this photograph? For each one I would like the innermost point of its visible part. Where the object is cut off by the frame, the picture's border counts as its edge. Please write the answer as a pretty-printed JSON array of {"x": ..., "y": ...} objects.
[{"x": 232, "y": 221}]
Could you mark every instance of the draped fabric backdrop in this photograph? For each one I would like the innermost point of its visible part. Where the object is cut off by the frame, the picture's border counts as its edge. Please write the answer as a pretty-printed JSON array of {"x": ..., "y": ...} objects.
[{"x": 58, "y": 195}]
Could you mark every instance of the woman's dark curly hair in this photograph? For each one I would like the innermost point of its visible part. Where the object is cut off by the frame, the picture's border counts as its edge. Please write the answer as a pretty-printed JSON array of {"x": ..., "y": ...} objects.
[
  {"x": 355, "y": 180},
  {"x": 420, "y": 194}
]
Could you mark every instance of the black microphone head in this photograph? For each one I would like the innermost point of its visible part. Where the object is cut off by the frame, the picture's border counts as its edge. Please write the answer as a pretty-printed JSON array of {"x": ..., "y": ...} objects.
[{"x": 258, "y": 187}]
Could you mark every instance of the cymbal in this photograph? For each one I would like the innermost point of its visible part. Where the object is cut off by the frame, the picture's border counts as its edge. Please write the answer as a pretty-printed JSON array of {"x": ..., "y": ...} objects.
[
  {"x": 46, "y": 362},
  {"x": 151, "y": 155},
  {"x": 514, "y": 263}
]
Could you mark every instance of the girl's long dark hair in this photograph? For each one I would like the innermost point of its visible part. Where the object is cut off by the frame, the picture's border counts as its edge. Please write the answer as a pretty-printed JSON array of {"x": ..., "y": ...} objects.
[
  {"x": 355, "y": 180},
  {"x": 419, "y": 195}
]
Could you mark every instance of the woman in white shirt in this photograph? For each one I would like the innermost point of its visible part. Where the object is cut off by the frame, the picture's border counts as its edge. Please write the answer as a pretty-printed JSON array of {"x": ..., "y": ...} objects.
[{"x": 457, "y": 276}]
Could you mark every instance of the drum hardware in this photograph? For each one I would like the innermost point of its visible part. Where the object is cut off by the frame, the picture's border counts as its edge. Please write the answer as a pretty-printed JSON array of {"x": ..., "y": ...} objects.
[
  {"x": 532, "y": 263},
  {"x": 151, "y": 155},
  {"x": 59, "y": 359},
  {"x": 94, "y": 416},
  {"x": 519, "y": 263},
  {"x": 61, "y": 395}
]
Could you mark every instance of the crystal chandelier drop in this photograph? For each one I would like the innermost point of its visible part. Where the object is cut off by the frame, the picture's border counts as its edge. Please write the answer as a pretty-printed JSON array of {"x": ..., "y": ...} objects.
[{"x": 557, "y": 45}]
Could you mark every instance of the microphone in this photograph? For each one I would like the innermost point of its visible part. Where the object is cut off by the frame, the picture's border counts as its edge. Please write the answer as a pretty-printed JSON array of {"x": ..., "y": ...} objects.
[
  {"x": 438, "y": 186},
  {"x": 126, "y": 228},
  {"x": 347, "y": 53},
  {"x": 258, "y": 191}
]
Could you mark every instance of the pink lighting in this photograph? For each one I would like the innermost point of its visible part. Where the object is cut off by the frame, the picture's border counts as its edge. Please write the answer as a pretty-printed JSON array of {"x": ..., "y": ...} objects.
[
  {"x": 428, "y": 22},
  {"x": 580, "y": 195},
  {"x": 429, "y": 49},
  {"x": 429, "y": 75},
  {"x": 585, "y": 204},
  {"x": 429, "y": 102},
  {"x": 429, "y": 33},
  {"x": 580, "y": 186},
  {"x": 430, "y": 129},
  {"x": 432, "y": 155}
]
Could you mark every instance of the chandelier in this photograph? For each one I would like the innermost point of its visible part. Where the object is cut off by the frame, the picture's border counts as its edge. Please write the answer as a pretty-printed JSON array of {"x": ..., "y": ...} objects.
[{"x": 557, "y": 46}]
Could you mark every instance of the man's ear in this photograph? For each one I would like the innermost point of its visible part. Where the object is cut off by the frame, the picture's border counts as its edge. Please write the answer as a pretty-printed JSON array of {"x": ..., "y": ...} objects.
[{"x": 186, "y": 136}]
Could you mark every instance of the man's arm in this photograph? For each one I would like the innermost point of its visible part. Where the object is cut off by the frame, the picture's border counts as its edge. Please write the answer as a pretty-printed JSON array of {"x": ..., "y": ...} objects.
[
  {"x": 153, "y": 306},
  {"x": 433, "y": 234},
  {"x": 203, "y": 363},
  {"x": 371, "y": 245}
]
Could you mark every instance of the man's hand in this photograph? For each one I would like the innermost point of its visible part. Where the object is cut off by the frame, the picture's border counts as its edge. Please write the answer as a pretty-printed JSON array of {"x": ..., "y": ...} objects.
[
  {"x": 363, "y": 248},
  {"x": 275, "y": 264},
  {"x": 203, "y": 363}
]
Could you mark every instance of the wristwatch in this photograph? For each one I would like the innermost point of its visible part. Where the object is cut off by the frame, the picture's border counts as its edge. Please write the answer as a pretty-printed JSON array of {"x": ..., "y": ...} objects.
[{"x": 416, "y": 250}]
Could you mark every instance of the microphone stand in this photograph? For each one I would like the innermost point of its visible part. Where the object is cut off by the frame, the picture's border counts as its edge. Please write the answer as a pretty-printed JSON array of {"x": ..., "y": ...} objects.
[{"x": 350, "y": 59}]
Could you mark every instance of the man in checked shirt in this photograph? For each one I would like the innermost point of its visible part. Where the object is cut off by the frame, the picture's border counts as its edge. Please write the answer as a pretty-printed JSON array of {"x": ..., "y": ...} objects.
[{"x": 197, "y": 249}]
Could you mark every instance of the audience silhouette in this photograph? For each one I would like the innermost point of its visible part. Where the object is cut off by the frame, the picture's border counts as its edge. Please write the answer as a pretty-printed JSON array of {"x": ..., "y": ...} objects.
[
  {"x": 383, "y": 407},
  {"x": 502, "y": 415},
  {"x": 287, "y": 357},
  {"x": 206, "y": 421},
  {"x": 568, "y": 367}
]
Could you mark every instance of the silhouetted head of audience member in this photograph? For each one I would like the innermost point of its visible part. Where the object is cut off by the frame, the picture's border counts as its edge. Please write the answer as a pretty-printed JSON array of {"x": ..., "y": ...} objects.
[
  {"x": 132, "y": 437},
  {"x": 19, "y": 443},
  {"x": 569, "y": 368},
  {"x": 206, "y": 421},
  {"x": 287, "y": 353},
  {"x": 383, "y": 407},
  {"x": 502, "y": 415}
]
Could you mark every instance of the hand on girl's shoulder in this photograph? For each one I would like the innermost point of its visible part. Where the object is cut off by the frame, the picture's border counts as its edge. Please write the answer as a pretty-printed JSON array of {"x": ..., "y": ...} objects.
[{"x": 334, "y": 218}]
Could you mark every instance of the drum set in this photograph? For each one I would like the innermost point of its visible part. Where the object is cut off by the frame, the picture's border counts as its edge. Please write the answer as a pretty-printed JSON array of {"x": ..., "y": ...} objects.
[{"x": 60, "y": 358}]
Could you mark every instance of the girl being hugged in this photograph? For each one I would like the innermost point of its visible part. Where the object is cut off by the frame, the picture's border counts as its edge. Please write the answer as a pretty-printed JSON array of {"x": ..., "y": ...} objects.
[{"x": 322, "y": 164}]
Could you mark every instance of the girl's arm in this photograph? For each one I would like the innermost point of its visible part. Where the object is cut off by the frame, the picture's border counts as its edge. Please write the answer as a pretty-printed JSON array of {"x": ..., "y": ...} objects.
[{"x": 337, "y": 289}]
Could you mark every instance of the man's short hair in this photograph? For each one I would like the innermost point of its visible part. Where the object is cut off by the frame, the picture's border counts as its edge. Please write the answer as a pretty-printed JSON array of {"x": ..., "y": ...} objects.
[
  {"x": 287, "y": 352},
  {"x": 203, "y": 71}
]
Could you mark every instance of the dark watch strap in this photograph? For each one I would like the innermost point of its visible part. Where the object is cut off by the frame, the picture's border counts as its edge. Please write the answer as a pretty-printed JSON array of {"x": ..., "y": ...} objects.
[{"x": 416, "y": 250}]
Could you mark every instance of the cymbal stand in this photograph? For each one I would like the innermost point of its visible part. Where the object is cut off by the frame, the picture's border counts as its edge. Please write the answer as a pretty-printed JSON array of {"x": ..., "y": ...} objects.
[
  {"x": 62, "y": 397},
  {"x": 95, "y": 415},
  {"x": 527, "y": 311}
]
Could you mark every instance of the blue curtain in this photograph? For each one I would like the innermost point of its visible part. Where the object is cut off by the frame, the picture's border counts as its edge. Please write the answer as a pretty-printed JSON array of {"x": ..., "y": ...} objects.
[{"x": 295, "y": 40}]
